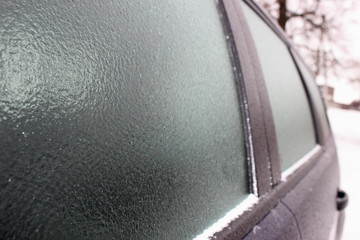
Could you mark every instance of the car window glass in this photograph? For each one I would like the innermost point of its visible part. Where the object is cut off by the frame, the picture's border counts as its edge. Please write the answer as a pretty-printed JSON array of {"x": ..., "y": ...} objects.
[
  {"x": 288, "y": 100},
  {"x": 118, "y": 120},
  {"x": 315, "y": 94}
]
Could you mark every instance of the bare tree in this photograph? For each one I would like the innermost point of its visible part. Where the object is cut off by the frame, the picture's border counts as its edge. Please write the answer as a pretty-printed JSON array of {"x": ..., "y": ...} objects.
[{"x": 315, "y": 26}]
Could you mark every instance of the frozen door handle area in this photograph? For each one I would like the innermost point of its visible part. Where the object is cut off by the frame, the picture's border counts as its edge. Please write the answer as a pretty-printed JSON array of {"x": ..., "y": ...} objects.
[{"x": 341, "y": 200}]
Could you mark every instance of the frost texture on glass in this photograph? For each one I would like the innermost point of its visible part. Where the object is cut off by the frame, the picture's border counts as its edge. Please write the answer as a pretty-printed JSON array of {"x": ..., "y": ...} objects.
[
  {"x": 118, "y": 120},
  {"x": 316, "y": 95},
  {"x": 288, "y": 100}
]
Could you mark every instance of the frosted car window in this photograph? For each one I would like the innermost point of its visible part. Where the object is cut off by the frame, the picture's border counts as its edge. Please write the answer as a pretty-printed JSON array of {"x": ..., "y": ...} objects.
[
  {"x": 288, "y": 100},
  {"x": 119, "y": 120},
  {"x": 315, "y": 94}
]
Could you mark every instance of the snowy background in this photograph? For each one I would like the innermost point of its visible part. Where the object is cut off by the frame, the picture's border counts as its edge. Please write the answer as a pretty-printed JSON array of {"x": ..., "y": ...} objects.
[{"x": 346, "y": 128}]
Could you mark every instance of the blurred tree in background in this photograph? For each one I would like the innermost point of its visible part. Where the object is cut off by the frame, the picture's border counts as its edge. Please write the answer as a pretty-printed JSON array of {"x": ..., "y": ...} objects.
[{"x": 316, "y": 27}]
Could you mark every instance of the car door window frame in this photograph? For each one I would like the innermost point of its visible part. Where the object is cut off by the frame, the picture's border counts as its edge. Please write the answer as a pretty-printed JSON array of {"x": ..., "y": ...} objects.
[
  {"x": 257, "y": 119},
  {"x": 258, "y": 122},
  {"x": 253, "y": 100},
  {"x": 323, "y": 131},
  {"x": 267, "y": 182},
  {"x": 304, "y": 164}
]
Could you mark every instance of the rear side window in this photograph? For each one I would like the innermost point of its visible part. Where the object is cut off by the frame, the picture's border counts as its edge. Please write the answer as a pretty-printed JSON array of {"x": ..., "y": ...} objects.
[
  {"x": 119, "y": 120},
  {"x": 292, "y": 116},
  {"x": 316, "y": 96}
]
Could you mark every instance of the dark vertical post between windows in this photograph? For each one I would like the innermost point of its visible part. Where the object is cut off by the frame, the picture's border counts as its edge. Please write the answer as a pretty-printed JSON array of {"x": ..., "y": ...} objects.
[{"x": 264, "y": 163}]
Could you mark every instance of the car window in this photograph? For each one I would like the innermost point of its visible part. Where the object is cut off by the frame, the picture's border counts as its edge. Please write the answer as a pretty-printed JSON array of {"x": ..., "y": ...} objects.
[
  {"x": 288, "y": 100},
  {"x": 118, "y": 120},
  {"x": 316, "y": 96}
]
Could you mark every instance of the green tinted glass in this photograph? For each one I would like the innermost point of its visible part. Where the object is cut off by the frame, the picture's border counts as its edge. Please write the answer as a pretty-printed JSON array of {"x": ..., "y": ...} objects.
[
  {"x": 316, "y": 96},
  {"x": 288, "y": 100},
  {"x": 119, "y": 120}
]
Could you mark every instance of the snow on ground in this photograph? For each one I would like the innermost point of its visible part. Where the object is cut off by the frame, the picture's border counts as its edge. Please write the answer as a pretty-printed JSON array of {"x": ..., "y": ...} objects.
[{"x": 346, "y": 128}]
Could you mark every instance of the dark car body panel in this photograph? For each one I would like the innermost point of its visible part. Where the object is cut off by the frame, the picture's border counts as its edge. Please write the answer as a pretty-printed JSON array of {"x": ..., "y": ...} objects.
[
  {"x": 280, "y": 224},
  {"x": 311, "y": 202}
]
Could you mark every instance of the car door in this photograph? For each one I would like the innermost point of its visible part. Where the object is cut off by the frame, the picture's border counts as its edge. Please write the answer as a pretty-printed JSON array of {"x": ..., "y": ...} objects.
[
  {"x": 301, "y": 193},
  {"x": 156, "y": 120},
  {"x": 118, "y": 120}
]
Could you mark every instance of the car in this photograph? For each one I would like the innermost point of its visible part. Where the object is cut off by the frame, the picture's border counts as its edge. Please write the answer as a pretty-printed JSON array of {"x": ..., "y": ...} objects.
[{"x": 160, "y": 120}]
